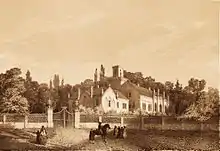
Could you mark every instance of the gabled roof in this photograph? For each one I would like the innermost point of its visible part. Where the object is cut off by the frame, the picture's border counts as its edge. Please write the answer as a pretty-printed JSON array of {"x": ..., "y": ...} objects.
[
  {"x": 141, "y": 90},
  {"x": 120, "y": 95}
]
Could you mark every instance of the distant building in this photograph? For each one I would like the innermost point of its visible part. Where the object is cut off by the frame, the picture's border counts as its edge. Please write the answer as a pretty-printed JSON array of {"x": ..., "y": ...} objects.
[{"x": 121, "y": 95}]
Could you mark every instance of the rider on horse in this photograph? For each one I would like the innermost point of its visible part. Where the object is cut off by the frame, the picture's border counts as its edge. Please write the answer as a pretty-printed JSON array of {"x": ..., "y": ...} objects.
[{"x": 100, "y": 127}]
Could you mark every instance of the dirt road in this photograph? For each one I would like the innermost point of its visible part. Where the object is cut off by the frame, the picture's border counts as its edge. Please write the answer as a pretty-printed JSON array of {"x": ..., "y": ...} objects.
[{"x": 77, "y": 139}]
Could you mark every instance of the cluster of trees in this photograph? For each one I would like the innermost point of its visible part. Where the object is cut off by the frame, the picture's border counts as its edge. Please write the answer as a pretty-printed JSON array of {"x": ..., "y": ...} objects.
[
  {"x": 24, "y": 95},
  {"x": 191, "y": 100}
]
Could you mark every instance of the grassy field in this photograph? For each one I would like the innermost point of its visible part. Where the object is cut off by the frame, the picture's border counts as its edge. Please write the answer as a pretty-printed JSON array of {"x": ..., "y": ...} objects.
[
  {"x": 77, "y": 139},
  {"x": 151, "y": 139}
]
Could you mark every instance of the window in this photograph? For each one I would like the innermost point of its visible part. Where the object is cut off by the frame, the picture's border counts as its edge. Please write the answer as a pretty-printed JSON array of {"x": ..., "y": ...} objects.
[
  {"x": 124, "y": 106},
  {"x": 160, "y": 108},
  {"x": 109, "y": 103},
  {"x": 149, "y": 107},
  {"x": 96, "y": 102},
  {"x": 117, "y": 104},
  {"x": 155, "y": 109},
  {"x": 144, "y": 106},
  {"x": 129, "y": 94}
]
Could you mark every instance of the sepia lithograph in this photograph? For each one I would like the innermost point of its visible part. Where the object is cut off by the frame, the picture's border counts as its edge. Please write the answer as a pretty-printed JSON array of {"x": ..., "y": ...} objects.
[{"x": 109, "y": 75}]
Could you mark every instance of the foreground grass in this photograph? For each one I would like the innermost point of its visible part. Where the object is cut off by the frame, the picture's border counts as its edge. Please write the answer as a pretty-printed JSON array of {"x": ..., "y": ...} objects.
[
  {"x": 78, "y": 139},
  {"x": 150, "y": 139},
  {"x": 69, "y": 137}
]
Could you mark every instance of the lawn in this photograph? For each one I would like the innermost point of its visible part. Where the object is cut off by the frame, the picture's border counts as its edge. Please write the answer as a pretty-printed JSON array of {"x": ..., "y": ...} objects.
[
  {"x": 151, "y": 139},
  {"x": 70, "y": 138}
]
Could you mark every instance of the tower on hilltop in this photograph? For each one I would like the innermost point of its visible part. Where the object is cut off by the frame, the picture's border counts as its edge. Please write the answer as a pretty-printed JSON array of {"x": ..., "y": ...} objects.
[{"x": 118, "y": 72}]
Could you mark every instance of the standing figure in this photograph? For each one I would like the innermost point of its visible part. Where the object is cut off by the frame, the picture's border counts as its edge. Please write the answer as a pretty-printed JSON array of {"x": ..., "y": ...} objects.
[
  {"x": 43, "y": 131},
  {"x": 122, "y": 132},
  {"x": 43, "y": 134},
  {"x": 38, "y": 137},
  {"x": 119, "y": 131},
  {"x": 115, "y": 131},
  {"x": 125, "y": 132},
  {"x": 91, "y": 136}
]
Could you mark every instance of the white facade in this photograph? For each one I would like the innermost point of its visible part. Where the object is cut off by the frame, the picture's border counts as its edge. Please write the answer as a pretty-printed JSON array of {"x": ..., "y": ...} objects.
[
  {"x": 122, "y": 105},
  {"x": 111, "y": 103},
  {"x": 146, "y": 104}
]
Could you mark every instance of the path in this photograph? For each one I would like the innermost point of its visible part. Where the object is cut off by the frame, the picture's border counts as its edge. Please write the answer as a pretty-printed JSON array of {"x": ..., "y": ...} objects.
[{"x": 78, "y": 139}]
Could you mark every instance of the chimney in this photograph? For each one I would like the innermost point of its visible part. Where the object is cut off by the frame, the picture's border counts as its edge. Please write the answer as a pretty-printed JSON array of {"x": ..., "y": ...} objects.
[
  {"x": 91, "y": 92},
  {"x": 116, "y": 95},
  {"x": 78, "y": 93}
]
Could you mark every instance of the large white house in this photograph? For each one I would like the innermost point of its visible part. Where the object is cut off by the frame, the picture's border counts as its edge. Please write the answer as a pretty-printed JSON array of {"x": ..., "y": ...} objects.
[
  {"x": 113, "y": 100},
  {"x": 122, "y": 96}
]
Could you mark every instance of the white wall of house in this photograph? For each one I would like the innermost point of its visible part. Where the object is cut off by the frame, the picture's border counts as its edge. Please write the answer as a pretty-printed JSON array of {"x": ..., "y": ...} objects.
[
  {"x": 111, "y": 103},
  {"x": 122, "y": 105},
  {"x": 146, "y": 103},
  {"x": 109, "y": 100}
]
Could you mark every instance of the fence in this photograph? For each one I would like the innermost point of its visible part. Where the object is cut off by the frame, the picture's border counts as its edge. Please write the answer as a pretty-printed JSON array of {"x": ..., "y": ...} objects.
[
  {"x": 79, "y": 120},
  {"x": 149, "y": 122},
  {"x": 172, "y": 123},
  {"x": 28, "y": 121}
]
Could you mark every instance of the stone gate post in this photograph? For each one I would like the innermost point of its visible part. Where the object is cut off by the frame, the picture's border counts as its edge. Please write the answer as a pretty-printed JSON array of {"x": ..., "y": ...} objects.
[
  {"x": 49, "y": 115},
  {"x": 77, "y": 115}
]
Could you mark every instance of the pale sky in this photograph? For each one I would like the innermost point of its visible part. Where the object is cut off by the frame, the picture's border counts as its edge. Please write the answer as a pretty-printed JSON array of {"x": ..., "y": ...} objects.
[{"x": 165, "y": 39}]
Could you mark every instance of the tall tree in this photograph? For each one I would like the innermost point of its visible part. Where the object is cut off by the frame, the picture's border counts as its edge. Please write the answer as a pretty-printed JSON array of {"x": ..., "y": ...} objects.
[
  {"x": 12, "y": 95},
  {"x": 102, "y": 73},
  {"x": 51, "y": 85},
  {"x": 56, "y": 81},
  {"x": 62, "y": 83},
  {"x": 28, "y": 76},
  {"x": 43, "y": 97},
  {"x": 31, "y": 94},
  {"x": 96, "y": 76}
]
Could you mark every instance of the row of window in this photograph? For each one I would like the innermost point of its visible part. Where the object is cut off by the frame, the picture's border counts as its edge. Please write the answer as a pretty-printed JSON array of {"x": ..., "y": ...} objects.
[
  {"x": 124, "y": 105},
  {"x": 144, "y": 107}
]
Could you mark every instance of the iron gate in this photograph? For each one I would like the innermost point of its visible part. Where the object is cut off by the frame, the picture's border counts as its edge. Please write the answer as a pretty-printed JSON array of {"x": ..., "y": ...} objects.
[{"x": 63, "y": 118}]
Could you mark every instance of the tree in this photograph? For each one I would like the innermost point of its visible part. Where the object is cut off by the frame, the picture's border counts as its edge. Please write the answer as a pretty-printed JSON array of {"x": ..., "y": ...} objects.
[
  {"x": 12, "y": 98},
  {"x": 51, "y": 85},
  {"x": 62, "y": 83},
  {"x": 196, "y": 86},
  {"x": 43, "y": 97},
  {"x": 87, "y": 83},
  {"x": 96, "y": 76},
  {"x": 205, "y": 107},
  {"x": 56, "y": 81},
  {"x": 28, "y": 76},
  {"x": 31, "y": 94},
  {"x": 168, "y": 86},
  {"x": 149, "y": 82},
  {"x": 102, "y": 73}
]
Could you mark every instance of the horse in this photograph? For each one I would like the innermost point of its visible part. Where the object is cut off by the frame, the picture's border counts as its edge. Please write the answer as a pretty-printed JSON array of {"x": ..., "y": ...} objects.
[{"x": 103, "y": 132}]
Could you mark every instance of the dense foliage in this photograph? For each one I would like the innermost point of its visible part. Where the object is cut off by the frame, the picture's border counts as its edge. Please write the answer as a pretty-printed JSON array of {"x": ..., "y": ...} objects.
[
  {"x": 12, "y": 91},
  {"x": 19, "y": 95}
]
